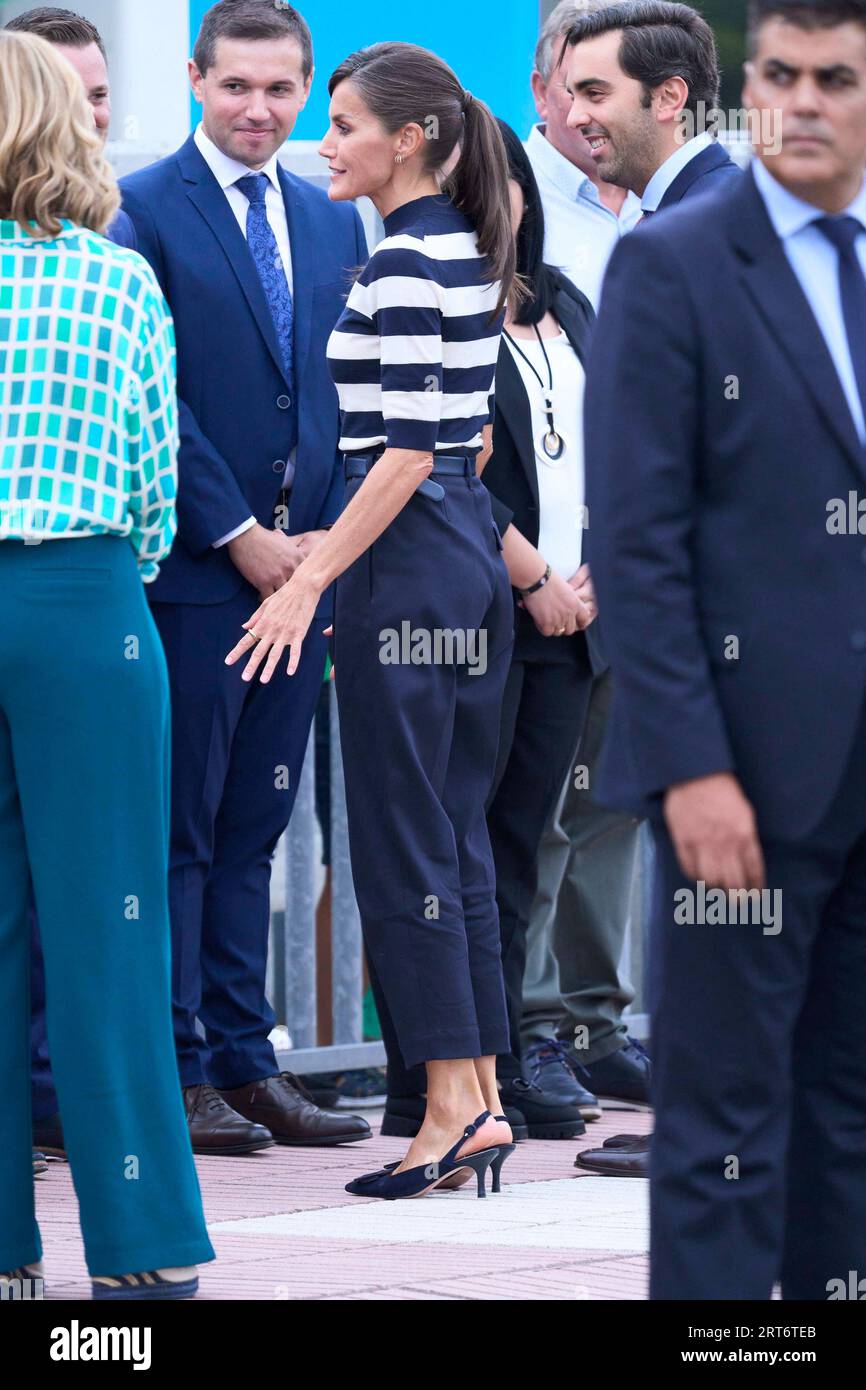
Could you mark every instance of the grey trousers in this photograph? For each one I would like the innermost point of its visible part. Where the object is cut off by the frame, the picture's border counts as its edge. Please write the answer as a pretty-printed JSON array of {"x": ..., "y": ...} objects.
[{"x": 587, "y": 890}]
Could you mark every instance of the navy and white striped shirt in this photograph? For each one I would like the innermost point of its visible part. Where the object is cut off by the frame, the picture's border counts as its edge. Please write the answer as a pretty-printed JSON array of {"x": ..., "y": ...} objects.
[{"x": 414, "y": 352}]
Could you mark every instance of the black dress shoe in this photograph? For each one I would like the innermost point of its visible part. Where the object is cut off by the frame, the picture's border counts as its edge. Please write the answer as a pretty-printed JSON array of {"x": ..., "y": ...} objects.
[
  {"x": 404, "y": 1114},
  {"x": 40, "y": 1164},
  {"x": 284, "y": 1104},
  {"x": 623, "y": 1075},
  {"x": 216, "y": 1129},
  {"x": 546, "y": 1116},
  {"x": 48, "y": 1136},
  {"x": 629, "y": 1161}
]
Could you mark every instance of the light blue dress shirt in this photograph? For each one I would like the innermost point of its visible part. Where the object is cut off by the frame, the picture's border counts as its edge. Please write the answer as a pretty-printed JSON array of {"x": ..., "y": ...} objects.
[
  {"x": 815, "y": 262},
  {"x": 580, "y": 233},
  {"x": 672, "y": 167}
]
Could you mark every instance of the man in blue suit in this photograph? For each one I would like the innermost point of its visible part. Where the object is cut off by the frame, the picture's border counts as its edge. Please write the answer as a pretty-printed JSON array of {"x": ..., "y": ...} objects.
[
  {"x": 644, "y": 77},
  {"x": 81, "y": 45},
  {"x": 726, "y": 453},
  {"x": 255, "y": 265}
]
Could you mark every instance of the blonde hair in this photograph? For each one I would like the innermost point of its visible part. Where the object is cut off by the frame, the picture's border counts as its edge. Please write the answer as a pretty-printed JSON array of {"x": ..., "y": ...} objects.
[{"x": 52, "y": 163}]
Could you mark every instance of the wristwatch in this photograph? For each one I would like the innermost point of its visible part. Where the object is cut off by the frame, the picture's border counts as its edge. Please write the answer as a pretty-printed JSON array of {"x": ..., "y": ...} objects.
[{"x": 539, "y": 584}]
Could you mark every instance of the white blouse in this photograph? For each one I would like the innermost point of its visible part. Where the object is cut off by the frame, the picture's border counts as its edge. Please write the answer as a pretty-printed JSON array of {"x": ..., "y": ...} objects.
[{"x": 561, "y": 493}]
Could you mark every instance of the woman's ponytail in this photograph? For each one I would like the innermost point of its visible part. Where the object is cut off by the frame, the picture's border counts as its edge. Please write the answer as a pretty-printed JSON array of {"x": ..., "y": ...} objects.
[{"x": 479, "y": 188}]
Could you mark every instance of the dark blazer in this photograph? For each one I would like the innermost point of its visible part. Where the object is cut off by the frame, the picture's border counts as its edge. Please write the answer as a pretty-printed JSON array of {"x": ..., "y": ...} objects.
[
  {"x": 701, "y": 175},
  {"x": 717, "y": 433},
  {"x": 510, "y": 474},
  {"x": 234, "y": 411}
]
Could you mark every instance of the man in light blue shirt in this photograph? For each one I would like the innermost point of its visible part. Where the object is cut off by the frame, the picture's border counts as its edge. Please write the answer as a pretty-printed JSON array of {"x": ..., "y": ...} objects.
[
  {"x": 584, "y": 217},
  {"x": 815, "y": 262},
  {"x": 572, "y": 987},
  {"x": 725, "y": 430}
]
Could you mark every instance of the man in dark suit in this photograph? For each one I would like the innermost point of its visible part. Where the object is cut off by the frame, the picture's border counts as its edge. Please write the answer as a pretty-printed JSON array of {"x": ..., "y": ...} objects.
[
  {"x": 81, "y": 45},
  {"x": 726, "y": 447},
  {"x": 644, "y": 77},
  {"x": 255, "y": 265}
]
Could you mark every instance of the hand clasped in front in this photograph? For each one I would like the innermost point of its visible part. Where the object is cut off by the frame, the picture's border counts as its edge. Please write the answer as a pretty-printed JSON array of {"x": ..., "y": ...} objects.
[{"x": 282, "y": 621}]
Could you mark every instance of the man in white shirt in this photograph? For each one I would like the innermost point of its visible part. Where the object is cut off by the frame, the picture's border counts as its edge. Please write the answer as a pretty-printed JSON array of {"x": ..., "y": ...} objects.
[{"x": 584, "y": 217}]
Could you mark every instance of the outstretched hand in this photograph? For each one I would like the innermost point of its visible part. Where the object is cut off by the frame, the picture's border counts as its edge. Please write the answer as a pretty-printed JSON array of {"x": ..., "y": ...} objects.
[{"x": 281, "y": 622}]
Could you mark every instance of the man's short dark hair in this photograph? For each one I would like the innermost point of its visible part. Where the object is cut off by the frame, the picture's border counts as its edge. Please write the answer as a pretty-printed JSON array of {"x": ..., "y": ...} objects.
[
  {"x": 58, "y": 26},
  {"x": 806, "y": 14},
  {"x": 659, "y": 41},
  {"x": 251, "y": 19}
]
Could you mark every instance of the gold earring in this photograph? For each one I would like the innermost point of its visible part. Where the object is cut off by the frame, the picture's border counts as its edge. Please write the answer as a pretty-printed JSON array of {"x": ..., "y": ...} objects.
[{"x": 398, "y": 159}]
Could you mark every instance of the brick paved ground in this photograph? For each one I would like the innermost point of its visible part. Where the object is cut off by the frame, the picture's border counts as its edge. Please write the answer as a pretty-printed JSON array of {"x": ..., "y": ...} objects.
[{"x": 283, "y": 1228}]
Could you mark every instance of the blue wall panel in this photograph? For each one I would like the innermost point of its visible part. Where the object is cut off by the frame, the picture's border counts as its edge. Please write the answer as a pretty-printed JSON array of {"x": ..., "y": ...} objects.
[{"x": 489, "y": 44}]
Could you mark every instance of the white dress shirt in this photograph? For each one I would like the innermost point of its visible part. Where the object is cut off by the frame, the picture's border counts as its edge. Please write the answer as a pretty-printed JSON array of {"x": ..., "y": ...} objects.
[
  {"x": 815, "y": 262},
  {"x": 672, "y": 167},
  {"x": 227, "y": 171},
  {"x": 580, "y": 232}
]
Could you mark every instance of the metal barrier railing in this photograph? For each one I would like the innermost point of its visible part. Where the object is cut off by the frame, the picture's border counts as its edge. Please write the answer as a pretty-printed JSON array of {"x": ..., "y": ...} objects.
[{"x": 295, "y": 995}]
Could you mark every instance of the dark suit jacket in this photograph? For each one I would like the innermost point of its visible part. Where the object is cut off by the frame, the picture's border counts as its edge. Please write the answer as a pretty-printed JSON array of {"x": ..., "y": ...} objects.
[
  {"x": 234, "y": 431},
  {"x": 511, "y": 477},
  {"x": 701, "y": 175},
  {"x": 717, "y": 432}
]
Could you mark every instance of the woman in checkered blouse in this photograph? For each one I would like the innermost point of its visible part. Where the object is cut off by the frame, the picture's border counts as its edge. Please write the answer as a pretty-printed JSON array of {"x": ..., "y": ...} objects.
[{"x": 88, "y": 440}]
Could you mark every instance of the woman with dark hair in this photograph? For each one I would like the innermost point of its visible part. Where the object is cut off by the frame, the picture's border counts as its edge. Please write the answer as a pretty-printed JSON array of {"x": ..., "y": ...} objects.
[
  {"x": 535, "y": 471},
  {"x": 533, "y": 467},
  {"x": 424, "y": 616}
]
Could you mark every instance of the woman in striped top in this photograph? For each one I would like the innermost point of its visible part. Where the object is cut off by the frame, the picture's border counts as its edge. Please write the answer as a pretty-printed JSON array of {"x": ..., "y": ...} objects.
[{"x": 424, "y": 618}]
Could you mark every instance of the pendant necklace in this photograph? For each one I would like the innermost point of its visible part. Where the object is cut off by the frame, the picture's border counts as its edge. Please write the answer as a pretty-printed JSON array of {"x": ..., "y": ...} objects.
[{"x": 552, "y": 441}]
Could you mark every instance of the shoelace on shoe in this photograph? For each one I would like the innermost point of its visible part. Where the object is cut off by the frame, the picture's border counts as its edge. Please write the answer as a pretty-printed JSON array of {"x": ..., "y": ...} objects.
[
  {"x": 289, "y": 1081},
  {"x": 553, "y": 1053},
  {"x": 521, "y": 1084},
  {"x": 207, "y": 1097},
  {"x": 638, "y": 1047}
]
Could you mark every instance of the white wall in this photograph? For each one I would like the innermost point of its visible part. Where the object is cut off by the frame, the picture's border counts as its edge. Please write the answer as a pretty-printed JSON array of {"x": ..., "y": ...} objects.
[{"x": 148, "y": 44}]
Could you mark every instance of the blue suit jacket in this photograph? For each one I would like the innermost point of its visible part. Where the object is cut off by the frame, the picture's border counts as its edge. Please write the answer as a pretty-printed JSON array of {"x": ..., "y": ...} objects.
[
  {"x": 717, "y": 432},
  {"x": 234, "y": 435},
  {"x": 122, "y": 232},
  {"x": 701, "y": 175}
]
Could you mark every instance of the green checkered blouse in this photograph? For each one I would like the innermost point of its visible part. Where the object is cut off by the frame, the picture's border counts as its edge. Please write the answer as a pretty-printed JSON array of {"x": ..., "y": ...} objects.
[{"x": 88, "y": 403}]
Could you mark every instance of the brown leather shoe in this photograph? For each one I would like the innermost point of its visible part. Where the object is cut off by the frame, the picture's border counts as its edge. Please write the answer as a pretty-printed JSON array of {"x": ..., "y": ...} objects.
[
  {"x": 285, "y": 1105},
  {"x": 627, "y": 1161},
  {"x": 215, "y": 1129}
]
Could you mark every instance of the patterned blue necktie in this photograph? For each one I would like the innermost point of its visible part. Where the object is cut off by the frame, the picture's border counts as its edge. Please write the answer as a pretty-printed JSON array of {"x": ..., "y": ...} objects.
[
  {"x": 268, "y": 262},
  {"x": 843, "y": 232}
]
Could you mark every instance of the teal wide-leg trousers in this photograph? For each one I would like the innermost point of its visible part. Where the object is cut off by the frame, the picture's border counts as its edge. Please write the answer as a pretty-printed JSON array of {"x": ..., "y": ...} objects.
[{"x": 84, "y": 740}]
